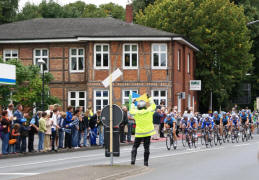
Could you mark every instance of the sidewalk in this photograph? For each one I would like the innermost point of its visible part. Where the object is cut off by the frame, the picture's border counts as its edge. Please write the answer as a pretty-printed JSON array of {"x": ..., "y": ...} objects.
[{"x": 101, "y": 172}]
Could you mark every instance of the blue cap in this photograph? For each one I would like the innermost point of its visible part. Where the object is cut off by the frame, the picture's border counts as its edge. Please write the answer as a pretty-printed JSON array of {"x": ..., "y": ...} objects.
[{"x": 23, "y": 120}]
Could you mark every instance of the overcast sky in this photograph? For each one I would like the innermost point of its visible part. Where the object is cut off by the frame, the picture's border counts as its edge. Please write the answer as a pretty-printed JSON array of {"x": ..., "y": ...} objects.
[{"x": 63, "y": 2}]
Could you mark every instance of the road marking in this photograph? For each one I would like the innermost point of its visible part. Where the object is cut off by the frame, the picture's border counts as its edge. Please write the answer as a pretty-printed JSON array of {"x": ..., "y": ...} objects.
[
  {"x": 18, "y": 174},
  {"x": 238, "y": 145}
]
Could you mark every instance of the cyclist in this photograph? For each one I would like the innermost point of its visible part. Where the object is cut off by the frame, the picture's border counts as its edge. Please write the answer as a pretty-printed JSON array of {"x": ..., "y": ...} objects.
[
  {"x": 250, "y": 119},
  {"x": 193, "y": 124},
  {"x": 244, "y": 118},
  {"x": 225, "y": 120},
  {"x": 208, "y": 123},
  {"x": 170, "y": 122},
  {"x": 235, "y": 121},
  {"x": 218, "y": 122}
]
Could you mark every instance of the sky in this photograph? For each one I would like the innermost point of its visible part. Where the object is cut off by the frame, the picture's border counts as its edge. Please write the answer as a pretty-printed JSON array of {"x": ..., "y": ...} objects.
[{"x": 63, "y": 2}]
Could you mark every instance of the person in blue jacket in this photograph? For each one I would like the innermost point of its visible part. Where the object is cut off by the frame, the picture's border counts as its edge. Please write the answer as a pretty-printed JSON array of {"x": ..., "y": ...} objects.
[
  {"x": 18, "y": 116},
  {"x": 67, "y": 121}
]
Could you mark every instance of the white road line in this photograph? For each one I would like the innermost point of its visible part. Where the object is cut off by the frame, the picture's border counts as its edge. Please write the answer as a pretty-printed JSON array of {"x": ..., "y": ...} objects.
[
  {"x": 238, "y": 145},
  {"x": 18, "y": 174}
]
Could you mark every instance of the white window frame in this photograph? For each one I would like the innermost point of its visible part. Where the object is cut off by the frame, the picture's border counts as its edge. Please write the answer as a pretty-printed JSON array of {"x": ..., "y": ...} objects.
[
  {"x": 41, "y": 57},
  {"x": 77, "y": 99},
  {"x": 11, "y": 52},
  {"x": 188, "y": 63},
  {"x": 159, "y": 98},
  {"x": 127, "y": 98},
  {"x": 179, "y": 103},
  {"x": 100, "y": 98},
  {"x": 77, "y": 56},
  {"x": 178, "y": 60},
  {"x": 129, "y": 52},
  {"x": 159, "y": 57},
  {"x": 101, "y": 67}
]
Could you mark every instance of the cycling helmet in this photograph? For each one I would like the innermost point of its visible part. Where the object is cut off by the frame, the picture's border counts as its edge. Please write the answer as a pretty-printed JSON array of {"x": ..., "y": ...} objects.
[
  {"x": 224, "y": 113},
  {"x": 141, "y": 104},
  {"x": 215, "y": 112},
  {"x": 168, "y": 116}
]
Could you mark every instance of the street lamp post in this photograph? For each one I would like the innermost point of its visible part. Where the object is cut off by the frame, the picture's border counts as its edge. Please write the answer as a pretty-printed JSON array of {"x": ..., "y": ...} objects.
[{"x": 41, "y": 63}]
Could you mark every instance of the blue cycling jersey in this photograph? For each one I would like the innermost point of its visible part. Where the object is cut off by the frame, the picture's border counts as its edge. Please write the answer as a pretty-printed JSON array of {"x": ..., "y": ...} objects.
[
  {"x": 207, "y": 124},
  {"x": 235, "y": 120},
  {"x": 193, "y": 122},
  {"x": 183, "y": 121},
  {"x": 225, "y": 119},
  {"x": 169, "y": 121}
]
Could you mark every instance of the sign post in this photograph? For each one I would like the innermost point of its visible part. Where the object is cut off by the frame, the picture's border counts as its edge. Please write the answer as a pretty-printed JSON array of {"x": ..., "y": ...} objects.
[{"x": 108, "y": 82}]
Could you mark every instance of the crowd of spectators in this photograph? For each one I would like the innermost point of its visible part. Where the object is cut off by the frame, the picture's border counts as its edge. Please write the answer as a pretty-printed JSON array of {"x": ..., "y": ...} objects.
[{"x": 55, "y": 129}]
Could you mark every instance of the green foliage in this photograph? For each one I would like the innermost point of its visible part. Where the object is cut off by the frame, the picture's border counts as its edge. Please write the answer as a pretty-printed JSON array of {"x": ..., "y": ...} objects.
[
  {"x": 113, "y": 10},
  {"x": 28, "y": 88},
  {"x": 29, "y": 11},
  {"x": 74, "y": 10},
  {"x": 8, "y": 10},
  {"x": 92, "y": 10},
  {"x": 50, "y": 9},
  {"x": 219, "y": 28}
]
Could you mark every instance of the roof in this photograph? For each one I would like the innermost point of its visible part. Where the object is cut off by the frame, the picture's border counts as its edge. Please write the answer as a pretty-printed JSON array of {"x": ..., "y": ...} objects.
[{"x": 77, "y": 29}]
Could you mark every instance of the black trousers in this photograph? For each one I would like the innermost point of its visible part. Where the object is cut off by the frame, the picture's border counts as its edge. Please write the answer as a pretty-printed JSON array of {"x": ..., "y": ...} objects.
[
  {"x": 31, "y": 141},
  {"x": 137, "y": 143},
  {"x": 53, "y": 138},
  {"x": 161, "y": 129},
  {"x": 68, "y": 140},
  {"x": 122, "y": 134}
]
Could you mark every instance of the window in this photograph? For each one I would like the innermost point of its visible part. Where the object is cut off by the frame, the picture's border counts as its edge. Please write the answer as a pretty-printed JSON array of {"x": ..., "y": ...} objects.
[
  {"x": 125, "y": 95},
  {"x": 188, "y": 63},
  {"x": 159, "y": 56},
  {"x": 178, "y": 60},
  {"x": 77, "y": 98},
  {"x": 101, "y": 56},
  {"x": 159, "y": 95},
  {"x": 77, "y": 60},
  {"x": 10, "y": 54},
  {"x": 130, "y": 56},
  {"x": 41, "y": 54},
  {"x": 101, "y": 99}
]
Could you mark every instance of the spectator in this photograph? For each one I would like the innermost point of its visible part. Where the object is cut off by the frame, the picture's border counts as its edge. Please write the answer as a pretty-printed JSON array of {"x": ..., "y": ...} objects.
[
  {"x": 90, "y": 111},
  {"x": 41, "y": 131},
  {"x": 14, "y": 134},
  {"x": 93, "y": 131},
  {"x": 54, "y": 128},
  {"x": 123, "y": 124},
  {"x": 81, "y": 131},
  {"x": 74, "y": 125},
  {"x": 10, "y": 112},
  {"x": 61, "y": 131},
  {"x": 100, "y": 127},
  {"x": 68, "y": 120},
  {"x": 162, "y": 118},
  {"x": 48, "y": 132},
  {"x": 24, "y": 130},
  {"x": 130, "y": 127},
  {"x": 5, "y": 132},
  {"x": 34, "y": 123},
  {"x": 86, "y": 120},
  {"x": 18, "y": 115},
  {"x": 156, "y": 122}
]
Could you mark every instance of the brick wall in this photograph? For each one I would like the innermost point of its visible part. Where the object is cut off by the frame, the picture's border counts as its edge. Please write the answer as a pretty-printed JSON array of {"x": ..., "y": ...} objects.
[{"x": 143, "y": 79}]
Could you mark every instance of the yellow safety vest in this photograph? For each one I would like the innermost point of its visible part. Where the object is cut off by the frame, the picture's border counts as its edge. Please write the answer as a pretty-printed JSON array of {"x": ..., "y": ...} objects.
[{"x": 144, "y": 120}]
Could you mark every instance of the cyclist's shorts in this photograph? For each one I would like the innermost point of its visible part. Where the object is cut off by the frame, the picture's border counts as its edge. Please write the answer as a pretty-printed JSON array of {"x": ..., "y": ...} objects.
[
  {"x": 225, "y": 123},
  {"x": 217, "y": 122}
]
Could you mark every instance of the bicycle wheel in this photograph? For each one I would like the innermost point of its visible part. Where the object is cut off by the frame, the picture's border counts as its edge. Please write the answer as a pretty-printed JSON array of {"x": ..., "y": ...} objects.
[
  {"x": 237, "y": 136},
  {"x": 184, "y": 139},
  {"x": 168, "y": 141},
  {"x": 215, "y": 139},
  {"x": 224, "y": 137},
  {"x": 202, "y": 139},
  {"x": 211, "y": 139},
  {"x": 174, "y": 143},
  {"x": 194, "y": 142},
  {"x": 243, "y": 135}
]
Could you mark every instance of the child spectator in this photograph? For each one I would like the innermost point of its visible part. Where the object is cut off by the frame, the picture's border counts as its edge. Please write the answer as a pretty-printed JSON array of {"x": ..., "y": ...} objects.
[
  {"x": 41, "y": 131},
  {"x": 15, "y": 133},
  {"x": 47, "y": 136},
  {"x": 5, "y": 132}
]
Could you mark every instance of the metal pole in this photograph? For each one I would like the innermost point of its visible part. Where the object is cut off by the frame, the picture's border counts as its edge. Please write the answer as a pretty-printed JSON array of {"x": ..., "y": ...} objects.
[
  {"x": 210, "y": 109},
  {"x": 42, "y": 105},
  {"x": 111, "y": 122}
]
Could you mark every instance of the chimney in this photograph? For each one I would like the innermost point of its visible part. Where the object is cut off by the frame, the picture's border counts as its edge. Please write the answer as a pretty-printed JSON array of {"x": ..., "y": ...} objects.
[{"x": 129, "y": 13}]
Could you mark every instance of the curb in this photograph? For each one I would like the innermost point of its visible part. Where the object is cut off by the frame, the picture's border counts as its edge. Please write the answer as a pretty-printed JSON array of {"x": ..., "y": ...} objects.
[{"x": 28, "y": 154}]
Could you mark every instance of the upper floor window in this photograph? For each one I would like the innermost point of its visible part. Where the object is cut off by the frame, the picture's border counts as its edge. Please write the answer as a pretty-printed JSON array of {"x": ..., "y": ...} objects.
[
  {"x": 159, "y": 56},
  {"x": 41, "y": 54},
  {"x": 130, "y": 56},
  {"x": 101, "y": 56},
  {"x": 10, "y": 54},
  {"x": 77, "y": 59},
  {"x": 178, "y": 60},
  {"x": 188, "y": 63},
  {"x": 101, "y": 99}
]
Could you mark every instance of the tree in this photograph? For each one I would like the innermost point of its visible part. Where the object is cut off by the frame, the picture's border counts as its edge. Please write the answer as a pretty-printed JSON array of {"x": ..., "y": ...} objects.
[
  {"x": 219, "y": 28},
  {"x": 113, "y": 10},
  {"x": 8, "y": 10},
  {"x": 50, "y": 9},
  {"x": 92, "y": 10},
  {"x": 27, "y": 90},
  {"x": 140, "y": 5},
  {"x": 74, "y": 10},
  {"x": 29, "y": 11}
]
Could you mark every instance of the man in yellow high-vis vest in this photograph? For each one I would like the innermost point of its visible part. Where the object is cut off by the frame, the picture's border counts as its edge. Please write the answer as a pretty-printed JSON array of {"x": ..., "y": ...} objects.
[{"x": 143, "y": 116}]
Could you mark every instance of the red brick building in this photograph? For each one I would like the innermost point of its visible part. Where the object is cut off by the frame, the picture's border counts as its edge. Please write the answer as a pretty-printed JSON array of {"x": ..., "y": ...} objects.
[{"x": 80, "y": 52}]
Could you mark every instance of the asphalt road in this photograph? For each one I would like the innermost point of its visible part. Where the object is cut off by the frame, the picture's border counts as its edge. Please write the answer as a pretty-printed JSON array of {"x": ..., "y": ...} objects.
[{"x": 229, "y": 161}]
